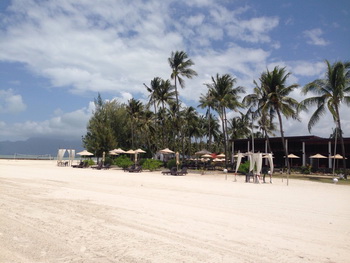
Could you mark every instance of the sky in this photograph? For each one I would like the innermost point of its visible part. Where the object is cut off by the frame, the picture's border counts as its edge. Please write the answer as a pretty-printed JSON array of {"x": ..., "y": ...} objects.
[{"x": 57, "y": 56}]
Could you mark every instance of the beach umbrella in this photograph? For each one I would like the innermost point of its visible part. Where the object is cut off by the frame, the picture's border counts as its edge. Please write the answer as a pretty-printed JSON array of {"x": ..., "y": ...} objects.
[
  {"x": 85, "y": 153},
  {"x": 221, "y": 155},
  {"x": 113, "y": 152},
  {"x": 318, "y": 156},
  {"x": 131, "y": 151},
  {"x": 207, "y": 156},
  {"x": 166, "y": 151},
  {"x": 140, "y": 151},
  {"x": 119, "y": 150},
  {"x": 337, "y": 156},
  {"x": 292, "y": 156},
  {"x": 202, "y": 152}
]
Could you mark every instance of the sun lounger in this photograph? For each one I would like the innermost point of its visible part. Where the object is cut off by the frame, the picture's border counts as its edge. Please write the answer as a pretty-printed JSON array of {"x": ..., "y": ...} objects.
[
  {"x": 171, "y": 171},
  {"x": 182, "y": 172}
]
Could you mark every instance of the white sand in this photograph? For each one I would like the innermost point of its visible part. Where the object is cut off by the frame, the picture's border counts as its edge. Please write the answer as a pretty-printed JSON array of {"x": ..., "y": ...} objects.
[{"x": 61, "y": 214}]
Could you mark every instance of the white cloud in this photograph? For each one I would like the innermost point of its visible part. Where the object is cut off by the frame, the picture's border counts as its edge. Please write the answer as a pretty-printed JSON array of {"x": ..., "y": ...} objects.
[
  {"x": 11, "y": 102},
  {"x": 314, "y": 37},
  {"x": 70, "y": 125}
]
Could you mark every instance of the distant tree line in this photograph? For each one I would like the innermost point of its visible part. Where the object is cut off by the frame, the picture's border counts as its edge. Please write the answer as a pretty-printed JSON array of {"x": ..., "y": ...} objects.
[{"x": 165, "y": 122}]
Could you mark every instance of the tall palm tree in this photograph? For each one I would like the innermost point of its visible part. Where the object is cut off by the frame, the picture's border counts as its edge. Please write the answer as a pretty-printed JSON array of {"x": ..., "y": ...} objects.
[
  {"x": 153, "y": 89},
  {"x": 134, "y": 109},
  {"x": 207, "y": 101},
  {"x": 274, "y": 85},
  {"x": 181, "y": 67},
  {"x": 333, "y": 90},
  {"x": 225, "y": 97},
  {"x": 255, "y": 102},
  {"x": 239, "y": 127}
]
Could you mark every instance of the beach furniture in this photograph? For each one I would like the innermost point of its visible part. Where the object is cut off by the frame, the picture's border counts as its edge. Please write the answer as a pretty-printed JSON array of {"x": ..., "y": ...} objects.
[{"x": 183, "y": 171}]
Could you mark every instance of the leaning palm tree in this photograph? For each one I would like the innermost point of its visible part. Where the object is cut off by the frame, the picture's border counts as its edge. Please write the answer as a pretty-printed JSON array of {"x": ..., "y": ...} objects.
[
  {"x": 181, "y": 67},
  {"x": 274, "y": 85},
  {"x": 225, "y": 97},
  {"x": 331, "y": 91}
]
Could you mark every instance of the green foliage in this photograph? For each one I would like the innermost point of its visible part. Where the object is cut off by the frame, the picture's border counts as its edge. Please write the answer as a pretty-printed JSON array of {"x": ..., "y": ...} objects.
[
  {"x": 89, "y": 161},
  {"x": 171, "y": 163},
  {"x": 123, "y": 161},
  {"x": 306, "y": 169},
  {"x": 151, "y": 164},
  {"x": 244, "y": 167}
]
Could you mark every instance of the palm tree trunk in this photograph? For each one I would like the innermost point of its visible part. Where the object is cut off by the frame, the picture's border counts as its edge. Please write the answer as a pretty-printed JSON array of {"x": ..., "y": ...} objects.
[
  {"x": 342, "y": 143},
  {"x": 283, "y": 143},
  {"x": 209, "y": 127},
  {"x": 224, "y": 133}
]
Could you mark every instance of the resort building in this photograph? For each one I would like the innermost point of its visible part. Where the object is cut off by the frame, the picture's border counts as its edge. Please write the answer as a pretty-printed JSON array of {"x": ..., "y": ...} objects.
[{"x": 301, "y": 146}]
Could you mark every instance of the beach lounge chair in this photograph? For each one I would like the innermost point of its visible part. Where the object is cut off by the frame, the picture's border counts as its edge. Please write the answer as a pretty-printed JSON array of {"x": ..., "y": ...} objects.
[
  {"x": 136, "y": 169},
  {"x": 183, "y": 171},
  {"x": 173, "y": 169},
  {"x": 98, "y": 167},
  {"x": 80, "y": 165}
]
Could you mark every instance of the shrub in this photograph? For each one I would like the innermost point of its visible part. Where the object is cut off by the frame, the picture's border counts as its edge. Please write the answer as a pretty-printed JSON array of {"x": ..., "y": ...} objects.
[
  {"x": 89, "y": 161},
  {"x": 171, "y": 163},
  {"x": 123, "y": 162},
  {"x": 244, "y": 167},
  {"x": 306, "y": 169},
  {"x": 151, "y": 164}
]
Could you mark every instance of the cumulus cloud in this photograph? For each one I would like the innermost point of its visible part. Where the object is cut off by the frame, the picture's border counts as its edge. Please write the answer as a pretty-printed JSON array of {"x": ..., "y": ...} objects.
[
  {"x": 314, "y": 37},
  {"x": 10, "y": 102},
  {"x": 70, "y": 125}
]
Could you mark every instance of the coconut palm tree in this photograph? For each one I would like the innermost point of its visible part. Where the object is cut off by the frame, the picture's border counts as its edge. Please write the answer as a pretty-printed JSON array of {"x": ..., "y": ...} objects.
[
  {"x": 225, "y": 97},
  {"x": 181, "y": 67},
  {"x": 153, "y": 89},
  {"x": 207, "y": 101},
  {"x": 255, "y": 102},
  {"x": 134, "y": 109},
  {"x": 276, "y": 89},
  {"x": 333, "y": 90}
]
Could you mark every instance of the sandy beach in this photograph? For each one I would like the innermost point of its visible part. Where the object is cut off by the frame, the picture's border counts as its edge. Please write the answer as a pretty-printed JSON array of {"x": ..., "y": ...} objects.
[{"x": 61, "y": 214}]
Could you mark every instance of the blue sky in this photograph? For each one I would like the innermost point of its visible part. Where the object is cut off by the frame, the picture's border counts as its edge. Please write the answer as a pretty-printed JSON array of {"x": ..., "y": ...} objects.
[{"x": 56, "y": 56}]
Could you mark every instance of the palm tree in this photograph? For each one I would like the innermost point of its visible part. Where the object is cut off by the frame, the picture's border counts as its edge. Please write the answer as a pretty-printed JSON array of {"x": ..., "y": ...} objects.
[
  {"x": 239, "y": 127},
  {"x": 225, "y": 97},
  {"x": 181, "y": 67},
  {"x": 207, "y": 101},
  {"x": 255, "y": 102},
  {"x": 154, "y": 90},
  {"x": 333, "y": 90},
  {"x": 274, "y": 85},
  {"x": 134, "y": 110}
]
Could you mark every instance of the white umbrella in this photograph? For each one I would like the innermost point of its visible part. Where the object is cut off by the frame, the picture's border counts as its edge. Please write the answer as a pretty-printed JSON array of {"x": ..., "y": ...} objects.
[
  {"x": 119, "y": 150},
  {"x": 85, "y": 153},
  {"x": 131, "y": 151},
  {"x": 202, "y": 152},
  {"x": 113, "y": 152},
  {"x": 139, "y": 151},
  {"x": 318, "y": 156},
  {"x": 207, "y": 156},
  {"x": 166, "y": 151},
  {"x": 292, "y": 156},
  {"x": 221, "y": 155},
  {"x": 337, "y": 156}
]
